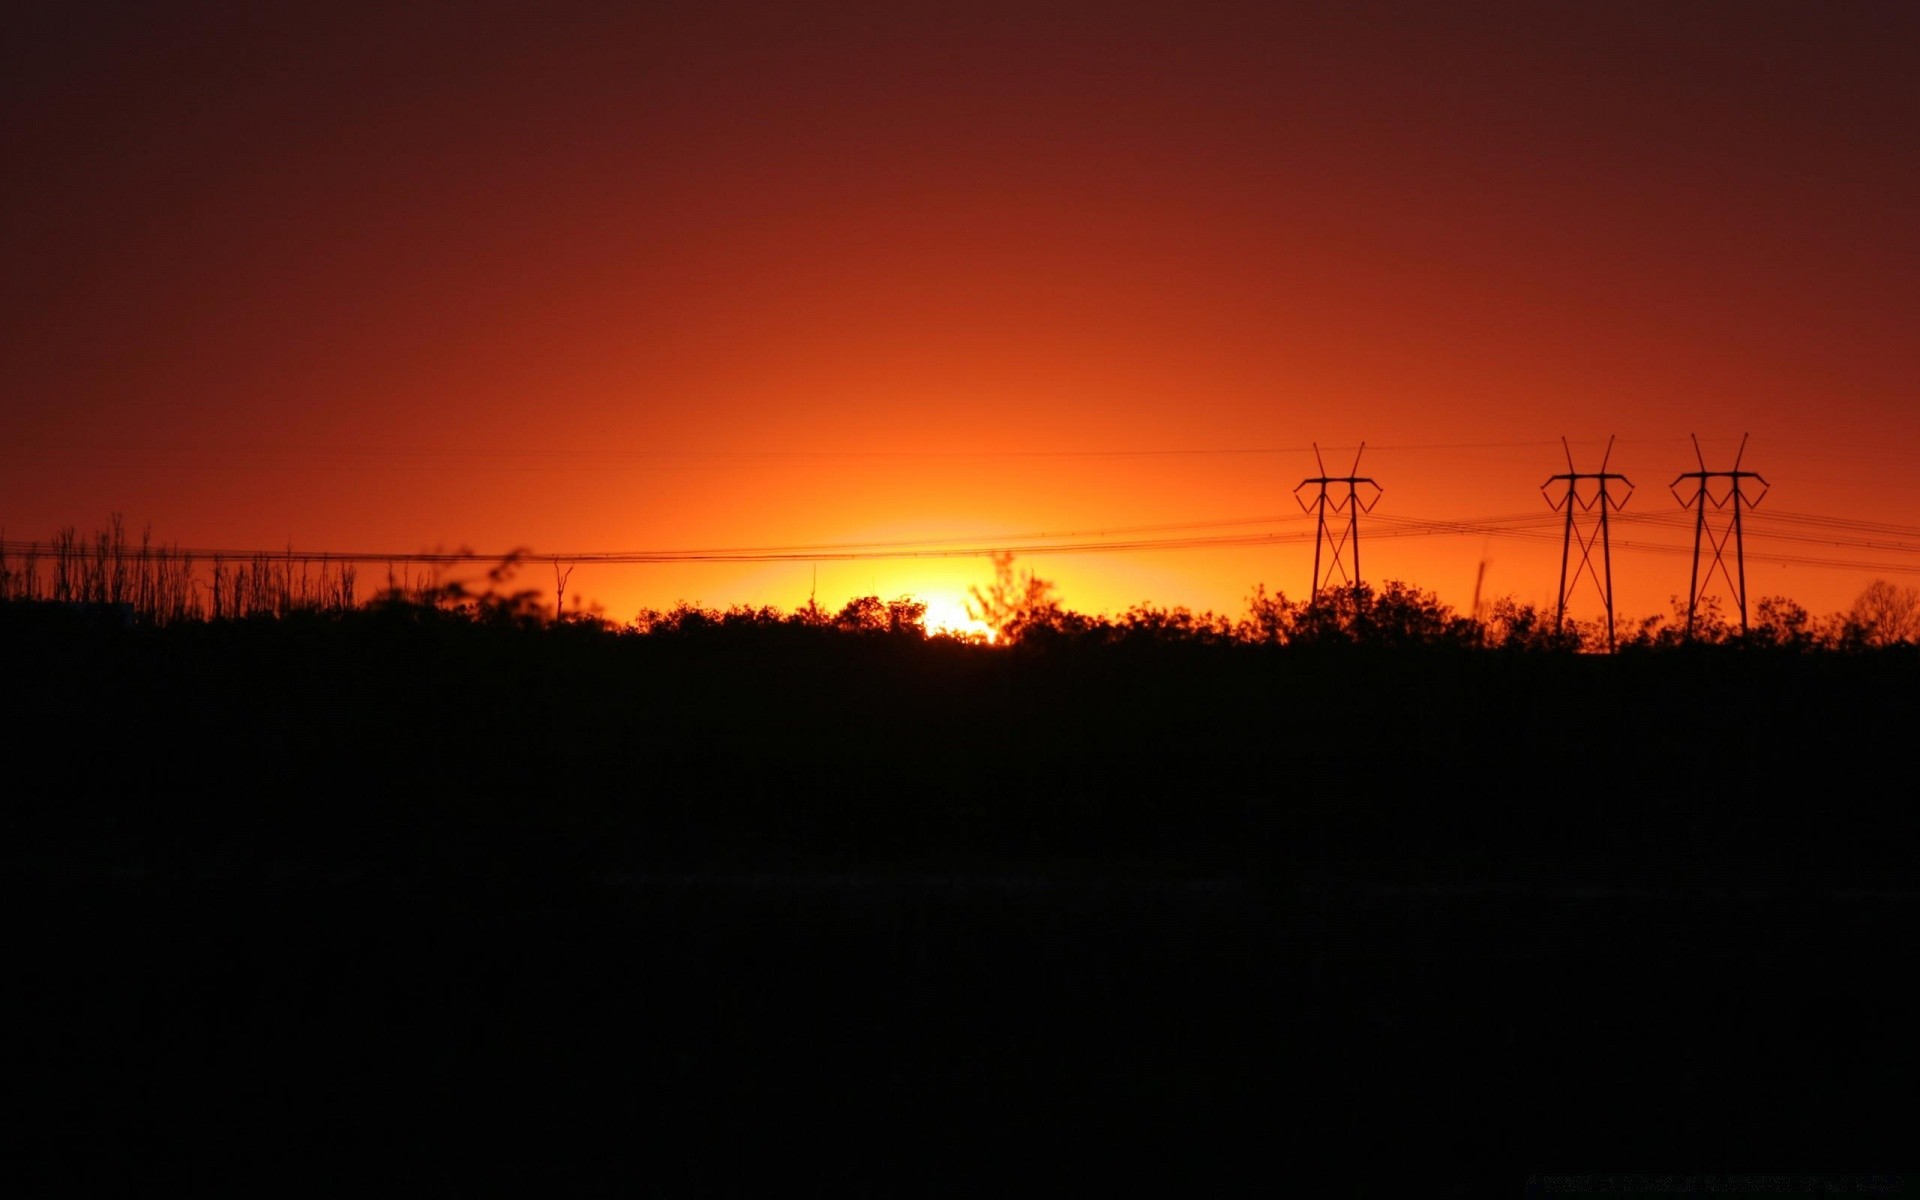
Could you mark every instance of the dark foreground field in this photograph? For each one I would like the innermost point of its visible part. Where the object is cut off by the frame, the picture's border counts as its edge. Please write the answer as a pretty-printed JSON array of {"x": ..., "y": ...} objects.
[{"x": 386, "y": 906}]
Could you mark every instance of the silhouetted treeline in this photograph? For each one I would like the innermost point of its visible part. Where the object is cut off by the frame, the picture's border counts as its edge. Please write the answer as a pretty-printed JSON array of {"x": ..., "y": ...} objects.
[
  {"x": 110, "y": 577},
  {"x": 436, "y": 891},
  {"x": 755, "y": 735}
]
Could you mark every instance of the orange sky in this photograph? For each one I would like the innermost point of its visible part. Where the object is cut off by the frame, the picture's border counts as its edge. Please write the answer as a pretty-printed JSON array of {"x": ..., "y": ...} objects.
[{"x": 638, "y": 277}]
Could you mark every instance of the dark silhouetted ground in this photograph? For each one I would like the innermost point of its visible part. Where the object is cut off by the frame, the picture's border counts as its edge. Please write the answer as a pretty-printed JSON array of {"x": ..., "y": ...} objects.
[{"x": 393, "y": 905}]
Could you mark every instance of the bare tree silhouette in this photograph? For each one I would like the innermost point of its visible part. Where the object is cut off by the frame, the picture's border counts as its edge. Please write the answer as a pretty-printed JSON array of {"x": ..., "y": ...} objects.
[
  {"x": 1887, "y": 612},
  {"x": 1016, "y": 602}
]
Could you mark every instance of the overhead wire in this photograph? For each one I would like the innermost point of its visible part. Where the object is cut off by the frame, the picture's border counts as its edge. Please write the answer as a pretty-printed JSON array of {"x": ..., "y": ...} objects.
[{"x": 1761, "y": 529}]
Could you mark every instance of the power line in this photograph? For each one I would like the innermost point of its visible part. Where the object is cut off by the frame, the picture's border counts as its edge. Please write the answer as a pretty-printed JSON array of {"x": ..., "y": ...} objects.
[
  {"x": 1763, "y": 528},
  {"x": 420, "y": 453}
]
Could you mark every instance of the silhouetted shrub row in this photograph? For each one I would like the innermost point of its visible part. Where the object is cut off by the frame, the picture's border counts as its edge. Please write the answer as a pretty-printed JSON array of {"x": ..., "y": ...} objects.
[
  {"x": 1395, "y": 615},
  {"x": 109, "y": 579}
]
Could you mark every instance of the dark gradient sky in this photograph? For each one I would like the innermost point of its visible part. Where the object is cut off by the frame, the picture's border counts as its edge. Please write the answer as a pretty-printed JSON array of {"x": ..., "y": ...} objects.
[{"x": 612, "y": 277}]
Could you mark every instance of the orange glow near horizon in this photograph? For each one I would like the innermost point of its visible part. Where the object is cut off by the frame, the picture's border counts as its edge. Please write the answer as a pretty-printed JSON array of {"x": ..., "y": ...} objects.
[{"x": 592, "y": 279}]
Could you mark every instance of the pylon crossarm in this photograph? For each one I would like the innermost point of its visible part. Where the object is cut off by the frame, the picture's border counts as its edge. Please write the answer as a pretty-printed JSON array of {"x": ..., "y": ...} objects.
[{"x": 1765, "y": 487}]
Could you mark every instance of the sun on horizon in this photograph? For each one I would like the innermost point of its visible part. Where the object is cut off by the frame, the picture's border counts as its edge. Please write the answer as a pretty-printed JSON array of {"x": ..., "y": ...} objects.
[{"x": 948, "y": 615}]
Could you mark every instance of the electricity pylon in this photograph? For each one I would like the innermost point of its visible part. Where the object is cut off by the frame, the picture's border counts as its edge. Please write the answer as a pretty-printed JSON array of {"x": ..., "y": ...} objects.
[
  {"x": 1732, "y": 501},
  {"x": 1342, "y": 544},
  {"x": 1599, "y": 501}
]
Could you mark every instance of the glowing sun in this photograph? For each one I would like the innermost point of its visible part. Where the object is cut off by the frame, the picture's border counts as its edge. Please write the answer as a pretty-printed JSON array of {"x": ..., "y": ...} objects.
[{"x": 946, "y": 615}]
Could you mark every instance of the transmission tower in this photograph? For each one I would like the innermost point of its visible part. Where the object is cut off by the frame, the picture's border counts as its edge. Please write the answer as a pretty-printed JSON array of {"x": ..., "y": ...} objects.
[
  {"x": 1730, "y": 502},
  {"x": 1598, "y": 501},
  {"x": 1342, "y": 544}
]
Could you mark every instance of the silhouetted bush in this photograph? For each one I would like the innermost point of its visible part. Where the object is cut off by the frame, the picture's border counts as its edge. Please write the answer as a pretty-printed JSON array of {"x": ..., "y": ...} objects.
[{"x": 151, "y": 584}]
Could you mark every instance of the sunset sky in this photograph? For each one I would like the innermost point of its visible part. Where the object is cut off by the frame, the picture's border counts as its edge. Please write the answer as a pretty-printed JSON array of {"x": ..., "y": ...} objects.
[{"x": 592, "y": 278}]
